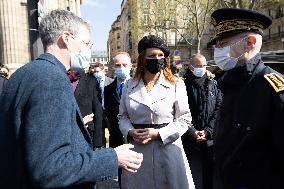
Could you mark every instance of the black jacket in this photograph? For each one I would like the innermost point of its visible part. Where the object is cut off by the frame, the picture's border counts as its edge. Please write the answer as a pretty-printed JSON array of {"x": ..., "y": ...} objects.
[
  {"x": 203, "y": 109},
  {"x": 86, "y": 95},
  {"x": 249, "y": 145},
  {"x": 112, "y": 102},
  {"x": 3, "y": 80}
]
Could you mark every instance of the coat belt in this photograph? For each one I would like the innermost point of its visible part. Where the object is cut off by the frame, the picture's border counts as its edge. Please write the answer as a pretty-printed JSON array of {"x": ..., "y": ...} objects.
[{"x": 155, "y": 126}]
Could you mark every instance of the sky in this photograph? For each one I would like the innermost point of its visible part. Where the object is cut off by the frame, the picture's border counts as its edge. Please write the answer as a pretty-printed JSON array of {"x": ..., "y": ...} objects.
[{"x": 101, "y": 14}]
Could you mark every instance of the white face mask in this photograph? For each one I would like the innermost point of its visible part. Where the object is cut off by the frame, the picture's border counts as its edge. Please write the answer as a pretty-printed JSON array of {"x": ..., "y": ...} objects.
[
  {"x": 223, "y": 59},
  {"x": 82, "y": 59},
  {"x": 199, "y": 72}
]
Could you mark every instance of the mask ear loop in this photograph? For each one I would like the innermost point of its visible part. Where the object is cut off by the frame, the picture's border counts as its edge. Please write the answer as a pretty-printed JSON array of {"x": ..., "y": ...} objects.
[
  {"x": 238, "y": 42},
  {"x": 191, "y": 67}
]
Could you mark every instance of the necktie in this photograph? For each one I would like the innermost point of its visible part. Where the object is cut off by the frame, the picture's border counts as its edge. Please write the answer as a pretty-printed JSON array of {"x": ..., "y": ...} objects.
[
  {"x": 102, "y": 86},
  {"x": 73, "y": 75},
  {"x": 120, "y": 89}
]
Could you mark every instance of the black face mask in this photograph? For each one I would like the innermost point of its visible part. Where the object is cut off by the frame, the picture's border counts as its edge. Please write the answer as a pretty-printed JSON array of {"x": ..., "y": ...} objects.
[{"x": 154, "y": 65}]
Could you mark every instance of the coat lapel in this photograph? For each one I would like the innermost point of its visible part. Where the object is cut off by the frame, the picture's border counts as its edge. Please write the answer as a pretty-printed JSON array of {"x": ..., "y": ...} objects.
[
  {"x": 114, "y": 90},
  {"x": 81, "y": 125},
  {"x": 139, "y": 94},
  {"x": 80, "y": 87},
  {"x": 161, "y": 89}
]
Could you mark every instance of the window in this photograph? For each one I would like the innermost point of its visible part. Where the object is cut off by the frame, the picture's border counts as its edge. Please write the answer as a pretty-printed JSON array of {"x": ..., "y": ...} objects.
[
  {"x": 160, "y": 34},
  {"x": 279, "y": 12},
  {"x": 128, "y": 40},
  {"x": 145, "y": 4},
  {"x": 146, "y": 19},
  {"x": 172, "y": 39},
  {"x": 270, "y": 13}
]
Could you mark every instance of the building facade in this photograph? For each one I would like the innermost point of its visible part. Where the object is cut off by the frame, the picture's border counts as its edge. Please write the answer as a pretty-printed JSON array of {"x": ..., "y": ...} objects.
[
  {"x": 16, "y": 31},
  {"x": 142, "y": 17},
  {"x": 114, "y": 43},
  {"x": 167, "y": 19},
  {"x": 99, "y": 56},
  {"x": 273, "y": 38}
]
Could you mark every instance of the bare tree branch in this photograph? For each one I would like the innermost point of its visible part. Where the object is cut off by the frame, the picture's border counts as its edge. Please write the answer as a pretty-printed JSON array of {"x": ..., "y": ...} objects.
[{"x": 252, "y": 5}]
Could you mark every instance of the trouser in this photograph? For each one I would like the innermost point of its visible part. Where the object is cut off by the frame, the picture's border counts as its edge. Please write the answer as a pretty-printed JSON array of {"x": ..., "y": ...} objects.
[{"x": 201, "y": 165}]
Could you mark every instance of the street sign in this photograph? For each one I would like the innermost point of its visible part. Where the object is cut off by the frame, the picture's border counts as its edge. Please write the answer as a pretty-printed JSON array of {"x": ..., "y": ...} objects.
[{"x": 177, "y": 62}]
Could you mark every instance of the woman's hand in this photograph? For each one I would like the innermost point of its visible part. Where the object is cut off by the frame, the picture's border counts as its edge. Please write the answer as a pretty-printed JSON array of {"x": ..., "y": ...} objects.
[{"x": 144, "y": 135}]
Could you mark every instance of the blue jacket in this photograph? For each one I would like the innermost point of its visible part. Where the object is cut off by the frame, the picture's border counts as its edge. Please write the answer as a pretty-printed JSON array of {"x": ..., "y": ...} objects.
[{"x": 43, "y": 142}]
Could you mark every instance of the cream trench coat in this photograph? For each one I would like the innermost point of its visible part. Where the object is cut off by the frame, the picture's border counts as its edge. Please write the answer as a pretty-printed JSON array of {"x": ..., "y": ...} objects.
[{"x": 164, "y": 163}]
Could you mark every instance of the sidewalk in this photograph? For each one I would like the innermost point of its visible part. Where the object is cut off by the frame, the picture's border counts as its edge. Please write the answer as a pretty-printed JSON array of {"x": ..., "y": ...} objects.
[{"x": 108, "y": 184}]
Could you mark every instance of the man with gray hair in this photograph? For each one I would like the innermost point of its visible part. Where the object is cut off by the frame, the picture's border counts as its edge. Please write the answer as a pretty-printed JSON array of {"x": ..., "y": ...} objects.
[
  {"x": 44, "y": 143},
  {"x": 204, "y": 99},
  {"x": 248, "y": 145}
]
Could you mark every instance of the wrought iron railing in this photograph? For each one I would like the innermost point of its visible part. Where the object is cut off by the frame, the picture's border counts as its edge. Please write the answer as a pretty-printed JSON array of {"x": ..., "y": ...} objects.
[{"x": 273, "y": 36}]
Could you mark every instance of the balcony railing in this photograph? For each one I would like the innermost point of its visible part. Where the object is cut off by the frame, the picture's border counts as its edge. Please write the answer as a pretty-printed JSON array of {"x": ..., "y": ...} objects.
[{"x": 273, "y": 36}]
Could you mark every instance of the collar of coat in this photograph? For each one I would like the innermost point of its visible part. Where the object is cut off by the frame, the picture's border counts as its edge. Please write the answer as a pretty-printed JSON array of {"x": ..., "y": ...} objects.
[
  {"x": 137, "y": 91},
  {"x": 53, "y": 60}
]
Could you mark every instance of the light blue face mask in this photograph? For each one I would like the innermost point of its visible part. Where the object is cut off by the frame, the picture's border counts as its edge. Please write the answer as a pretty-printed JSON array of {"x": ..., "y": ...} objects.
[
  {"x": 81, "y": 60},
  {"x": 98, "y": 75},
  {"x": 223, "y": 59},
  {"x": 199, "y": 72},
  {"x": 122, "y": 73}
]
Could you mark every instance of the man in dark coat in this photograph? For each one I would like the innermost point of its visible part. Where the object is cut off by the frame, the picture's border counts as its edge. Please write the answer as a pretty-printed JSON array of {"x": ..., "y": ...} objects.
[
  {"x": 86, "y": 95},
  {"x": 204, "y": 100},
  {"x": 122, "y": 64},
  {"x": 44, "y": 143},
  {"x": 112, "y": 93},
  {"x": 248, "y": 144},
  {"x": 98, "y": 71}
]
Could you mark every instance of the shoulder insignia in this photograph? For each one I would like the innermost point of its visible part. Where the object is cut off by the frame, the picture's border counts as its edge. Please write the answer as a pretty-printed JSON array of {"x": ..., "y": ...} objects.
[{"x": 276, "y": 81}]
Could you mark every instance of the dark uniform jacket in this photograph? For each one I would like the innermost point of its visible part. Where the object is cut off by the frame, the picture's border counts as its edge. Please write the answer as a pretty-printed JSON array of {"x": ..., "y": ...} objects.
[
  {"x": 86, "y": 95},
  {"x": 43, "y": 141},
  {"x": 249, "y": 145},
  {"x": 204, "y": 100},
  {"x": 112, "y": 101}
]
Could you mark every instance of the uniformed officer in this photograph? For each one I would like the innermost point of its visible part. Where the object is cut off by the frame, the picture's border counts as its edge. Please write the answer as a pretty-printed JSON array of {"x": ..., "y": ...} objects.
[{"x": 249, "y": 148}]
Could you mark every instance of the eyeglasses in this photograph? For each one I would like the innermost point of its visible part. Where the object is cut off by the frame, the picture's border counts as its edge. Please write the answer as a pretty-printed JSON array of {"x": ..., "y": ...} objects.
[
  {"x": 88, "y": 44},
  {"x": 231, "y": 42}
]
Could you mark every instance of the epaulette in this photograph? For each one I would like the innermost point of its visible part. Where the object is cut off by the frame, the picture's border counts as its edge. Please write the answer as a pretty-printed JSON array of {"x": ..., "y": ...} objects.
[{"x": 276, "y": 81}]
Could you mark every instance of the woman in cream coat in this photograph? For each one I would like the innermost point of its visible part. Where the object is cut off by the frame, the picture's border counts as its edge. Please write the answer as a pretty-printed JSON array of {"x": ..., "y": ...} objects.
[{"x": 153, "y": 115}]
